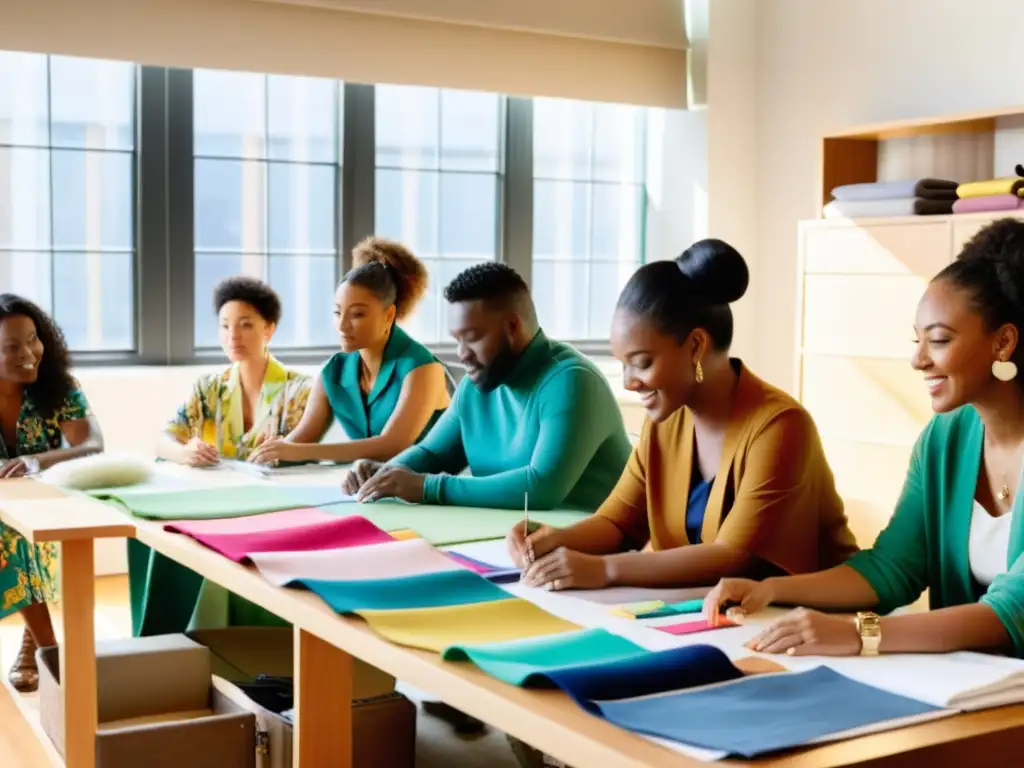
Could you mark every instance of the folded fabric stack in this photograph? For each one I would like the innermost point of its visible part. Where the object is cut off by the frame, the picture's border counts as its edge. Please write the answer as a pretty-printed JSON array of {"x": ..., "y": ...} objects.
[
  {"x": 1003, "y": 194},
  {"x": 913, "y": 197}
]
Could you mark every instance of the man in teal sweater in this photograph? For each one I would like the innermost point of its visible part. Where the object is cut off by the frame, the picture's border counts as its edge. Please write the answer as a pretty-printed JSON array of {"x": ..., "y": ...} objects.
[{"x": 532, "y": 420}]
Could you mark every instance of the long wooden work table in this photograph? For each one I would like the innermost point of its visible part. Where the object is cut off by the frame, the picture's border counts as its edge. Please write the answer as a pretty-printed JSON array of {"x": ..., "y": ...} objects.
[{"x": 326, "y": 643}]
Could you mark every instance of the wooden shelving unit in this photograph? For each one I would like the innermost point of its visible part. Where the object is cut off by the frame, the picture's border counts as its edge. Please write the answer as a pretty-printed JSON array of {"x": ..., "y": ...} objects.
[{"x": 859, "y": 285}]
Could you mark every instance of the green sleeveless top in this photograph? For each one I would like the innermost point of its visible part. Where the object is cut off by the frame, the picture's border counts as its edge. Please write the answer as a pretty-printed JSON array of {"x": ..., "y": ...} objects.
[{"x": 363, "y": 416}]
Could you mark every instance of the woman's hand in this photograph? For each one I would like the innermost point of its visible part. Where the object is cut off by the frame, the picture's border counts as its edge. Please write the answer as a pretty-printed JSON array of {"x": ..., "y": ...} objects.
[
  {"x": 567, "y": 569},
  {"x": 809, "y": 633},
  {"x": 357, "y": 476},
  {"x": 524, "y": 548},
  {"x": 200, "y": 454},
  {"x": 13, "y": 468},
  {"x": 393, "y": 483},
  {"x": 277, "y": 449},
  {"x": 751, "y": 596}
]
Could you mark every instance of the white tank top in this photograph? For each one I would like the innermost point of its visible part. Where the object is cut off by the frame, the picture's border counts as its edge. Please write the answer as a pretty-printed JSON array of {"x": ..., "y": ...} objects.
[{"x": 989, "y": 544}]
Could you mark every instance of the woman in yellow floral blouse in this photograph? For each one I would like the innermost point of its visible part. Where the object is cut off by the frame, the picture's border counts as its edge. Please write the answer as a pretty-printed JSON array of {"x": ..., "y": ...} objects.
[
  {"x": 44, "y": 420},
  {"x": 226, "y": 415}
]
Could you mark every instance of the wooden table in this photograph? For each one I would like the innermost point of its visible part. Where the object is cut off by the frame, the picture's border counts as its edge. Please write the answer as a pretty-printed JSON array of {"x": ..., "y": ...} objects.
[
  {"x": 43, "y": 513},
  {"x": 326, "y": 644}
]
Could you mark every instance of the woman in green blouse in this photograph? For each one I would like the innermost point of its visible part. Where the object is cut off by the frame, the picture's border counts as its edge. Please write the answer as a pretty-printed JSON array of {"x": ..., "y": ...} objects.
[
  {"x": 958, "y": 529},
  {"x": 385, "y": 389},
  {"x": 44, "y": 420}
]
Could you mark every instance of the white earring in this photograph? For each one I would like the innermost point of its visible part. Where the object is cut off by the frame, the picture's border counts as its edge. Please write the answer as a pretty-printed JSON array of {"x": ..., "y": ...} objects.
[{"x": 1004, "y": 370}]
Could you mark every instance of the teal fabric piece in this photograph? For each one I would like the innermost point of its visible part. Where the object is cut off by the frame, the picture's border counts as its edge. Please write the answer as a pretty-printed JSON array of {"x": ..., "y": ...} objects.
[
  {"x": 220, "y": 502},
  {"x": 551, "y": 430},
  {"x": 365, "y": 417},
  {"x": 428, "y": 590},
  {"x": 924, "y": 545},
  {"x": 517, "y": 661},
  {"x": 443, "y": 525}
]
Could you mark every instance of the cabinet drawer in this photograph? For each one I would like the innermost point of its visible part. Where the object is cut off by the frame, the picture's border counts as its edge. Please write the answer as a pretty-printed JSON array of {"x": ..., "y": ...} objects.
[
  {"x": 869, "y": 315},
  {"x": 901, "y": 249},
  {"x": 967, "y": 228},
  {"x": 865, "y": 399}
]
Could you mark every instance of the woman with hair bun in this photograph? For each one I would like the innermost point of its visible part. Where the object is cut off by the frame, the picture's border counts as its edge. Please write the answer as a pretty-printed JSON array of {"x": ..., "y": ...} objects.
[
  {"x": 728, "y": 478},
  {"x": 953, "y": 531},
  {"x": 383, "y": 387}
]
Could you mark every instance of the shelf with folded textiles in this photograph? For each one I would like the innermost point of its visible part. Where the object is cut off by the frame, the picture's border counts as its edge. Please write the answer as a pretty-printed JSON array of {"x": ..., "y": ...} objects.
[{"x": 964, "y": 147}]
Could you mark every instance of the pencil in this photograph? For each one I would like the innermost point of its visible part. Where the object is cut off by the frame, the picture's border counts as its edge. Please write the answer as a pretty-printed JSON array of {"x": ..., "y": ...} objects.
[{"x": 526, "y": 527}]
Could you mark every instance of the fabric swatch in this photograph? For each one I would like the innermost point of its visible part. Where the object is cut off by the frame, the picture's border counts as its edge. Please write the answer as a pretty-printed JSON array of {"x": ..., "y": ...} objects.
[
  {"x": 271, "y": 521},
  {"x": 336, "y": 533},
  {"x": 928, "y": 189},
  {"x": 471, "y": 564},
  {"x": 900, "y": 206},
  {"x": 518, "y": 661},
  {"x": 595, "y": 665},
  {"x": 1006, "y": 185},
  {"x": 428, "y": 590},
  {"x": 690, "y": 627},
  {"x": 1005, "y": 202},
  {"x": 758, "y": 715},
  {"x": 222, "y": 501},
  {"x": 391, "y": 559},
  {"x": 441, "y": 525},
  {"x": 434, "y": 629}
]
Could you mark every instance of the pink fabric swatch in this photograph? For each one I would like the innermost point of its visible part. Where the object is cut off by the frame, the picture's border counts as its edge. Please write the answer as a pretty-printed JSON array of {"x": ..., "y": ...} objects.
[
  {"x": 988, "y": 203},
  {"x": 689, "y": 627},
  {"x": 271, "y": 521},
  {"x": 336, "y": 533},
  {"x": 476, "y": 566}
]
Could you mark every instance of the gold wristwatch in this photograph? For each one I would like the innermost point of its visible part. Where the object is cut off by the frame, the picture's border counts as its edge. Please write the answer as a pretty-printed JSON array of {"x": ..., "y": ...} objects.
[{"x": 869, "y": 626}]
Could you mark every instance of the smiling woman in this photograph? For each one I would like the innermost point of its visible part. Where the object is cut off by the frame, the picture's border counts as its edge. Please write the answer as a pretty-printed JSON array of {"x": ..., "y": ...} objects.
[
  {"x": 953, "y": 531},
  {"x": 44, "y": 420},
  {"x": 729, "y": 476}
]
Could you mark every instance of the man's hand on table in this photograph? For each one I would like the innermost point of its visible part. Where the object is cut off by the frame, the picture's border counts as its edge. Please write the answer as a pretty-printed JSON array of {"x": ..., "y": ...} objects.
[{"x": 388, "y": 482}]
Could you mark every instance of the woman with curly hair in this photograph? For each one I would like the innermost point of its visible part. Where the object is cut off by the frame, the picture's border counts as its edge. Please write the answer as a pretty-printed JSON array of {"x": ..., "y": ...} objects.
[
  {"x": 228, "y": 414},
  {"x": 44, "y": 420},
  {"x": 384, "y": 388}
]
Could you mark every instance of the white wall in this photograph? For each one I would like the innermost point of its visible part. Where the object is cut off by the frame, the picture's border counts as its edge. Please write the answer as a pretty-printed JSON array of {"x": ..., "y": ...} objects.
[{"x": 822, "y": 66}]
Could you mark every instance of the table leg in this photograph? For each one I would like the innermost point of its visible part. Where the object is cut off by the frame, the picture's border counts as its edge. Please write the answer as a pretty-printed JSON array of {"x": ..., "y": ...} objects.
[
  {"x": 323, "y": 704},
  {"x": 78, "y": 653}
]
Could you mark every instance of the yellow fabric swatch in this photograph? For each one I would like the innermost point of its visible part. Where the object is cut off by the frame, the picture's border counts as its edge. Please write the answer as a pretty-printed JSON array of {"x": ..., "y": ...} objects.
[
  {"x": 1010, "y": 185},
  {"x": 404, "y": 534},
  {"x": 434, "y": 629}
]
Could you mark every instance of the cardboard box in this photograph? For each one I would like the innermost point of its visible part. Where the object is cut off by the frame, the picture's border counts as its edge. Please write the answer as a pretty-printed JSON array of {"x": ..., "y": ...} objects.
[
  {"x": 239, "y": 654},
  {"x": 156, "y": 707},
  {"x": 383, "y": 722}
]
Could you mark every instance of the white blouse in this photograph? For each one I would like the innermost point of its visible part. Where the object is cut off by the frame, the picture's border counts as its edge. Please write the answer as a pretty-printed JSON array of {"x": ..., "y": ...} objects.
[{"x": 989, "y": 544}]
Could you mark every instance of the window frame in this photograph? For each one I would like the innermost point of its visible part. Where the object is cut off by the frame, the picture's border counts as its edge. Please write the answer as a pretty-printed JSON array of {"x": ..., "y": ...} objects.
[{"x": 164, "y": 216}]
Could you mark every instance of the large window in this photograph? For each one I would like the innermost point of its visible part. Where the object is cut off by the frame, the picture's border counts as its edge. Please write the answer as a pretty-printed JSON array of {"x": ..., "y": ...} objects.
[
  {"x": 438, "y": 174},
  {"x": 67, "y": 150},
  {"x": 128, "y": 192},
  {"x": 267, "y": 162},
  {"x": 588, "y": 211}
]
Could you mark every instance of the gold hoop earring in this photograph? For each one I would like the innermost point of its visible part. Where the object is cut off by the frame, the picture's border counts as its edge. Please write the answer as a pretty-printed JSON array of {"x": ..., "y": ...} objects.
[{"x": 698, "y": 372}]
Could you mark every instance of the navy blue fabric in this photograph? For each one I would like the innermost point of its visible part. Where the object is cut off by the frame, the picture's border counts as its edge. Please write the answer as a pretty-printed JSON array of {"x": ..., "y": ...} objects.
[
  {"x": 763, "y": 713},
  {"x": 697, "y": 504},
  {"x": 641, "y": 675}
]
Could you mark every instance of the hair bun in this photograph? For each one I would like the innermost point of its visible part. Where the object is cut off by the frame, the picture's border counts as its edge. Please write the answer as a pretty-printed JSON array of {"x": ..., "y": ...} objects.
[{"x": 717, "y": 270}]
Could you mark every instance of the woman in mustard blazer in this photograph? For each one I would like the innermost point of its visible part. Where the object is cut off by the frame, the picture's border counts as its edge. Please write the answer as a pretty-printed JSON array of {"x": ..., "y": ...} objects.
[{"x": 729, "y": 477}]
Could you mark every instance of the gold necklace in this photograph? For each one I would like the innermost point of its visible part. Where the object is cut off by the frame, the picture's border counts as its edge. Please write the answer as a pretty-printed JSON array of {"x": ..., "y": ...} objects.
[{"x": 1004, "y": 492}]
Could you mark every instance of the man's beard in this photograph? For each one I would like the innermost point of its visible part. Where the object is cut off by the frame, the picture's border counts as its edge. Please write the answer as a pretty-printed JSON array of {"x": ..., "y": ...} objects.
[{"x": 495, "y": 373}]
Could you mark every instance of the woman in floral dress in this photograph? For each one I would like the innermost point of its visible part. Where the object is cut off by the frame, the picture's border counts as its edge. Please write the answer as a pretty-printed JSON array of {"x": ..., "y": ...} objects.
[{"x": 44, "y": 420}]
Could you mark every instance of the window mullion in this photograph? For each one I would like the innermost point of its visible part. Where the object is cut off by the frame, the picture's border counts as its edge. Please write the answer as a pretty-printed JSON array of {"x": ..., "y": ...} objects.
[
  {"x": 358, "y": 180},
  {"x": 181, "y": 215},
  {"x": 516, "y": 193}
]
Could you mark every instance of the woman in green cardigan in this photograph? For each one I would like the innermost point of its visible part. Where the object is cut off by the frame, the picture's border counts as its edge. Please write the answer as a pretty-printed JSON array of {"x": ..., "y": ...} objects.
[{"x": 958, "y": 529}]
